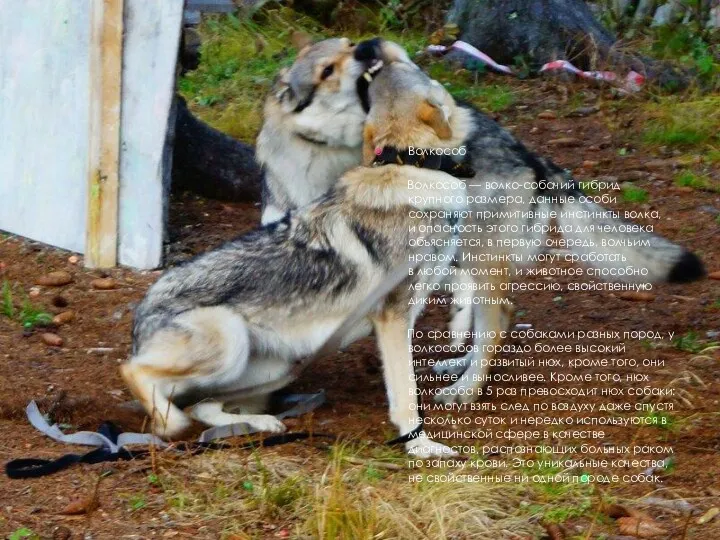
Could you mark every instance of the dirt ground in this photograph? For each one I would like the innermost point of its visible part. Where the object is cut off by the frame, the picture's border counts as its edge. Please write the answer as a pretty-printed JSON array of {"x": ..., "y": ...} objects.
[{"x": 78, "y": 382}]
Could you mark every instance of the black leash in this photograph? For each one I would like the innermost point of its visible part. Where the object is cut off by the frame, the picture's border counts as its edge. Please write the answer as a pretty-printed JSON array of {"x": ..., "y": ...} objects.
[{"x": 35, "y": 468}]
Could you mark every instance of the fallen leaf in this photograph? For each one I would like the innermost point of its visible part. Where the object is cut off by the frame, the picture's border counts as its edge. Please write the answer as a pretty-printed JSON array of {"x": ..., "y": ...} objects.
[
  {"x": 642, "y": 528},
  {"x": 64, "y": 317},
  {"x": 103, "y": 284},
  {"x": 55, "y": 279},
  {"x": 51, "y": 339},
  {"x": 81, "y": 505},
  {"x": 714, "y": 275},
  {"x": 565, "y": 142}
]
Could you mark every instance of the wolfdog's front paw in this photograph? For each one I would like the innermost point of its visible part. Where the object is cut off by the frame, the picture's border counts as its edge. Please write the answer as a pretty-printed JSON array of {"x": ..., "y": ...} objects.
[
  {"x": 266, "y": 422},
  {"x": 423, "y": 447},
  {"x": 452, "y": 366},
  {"x": 459, "y": 392}
]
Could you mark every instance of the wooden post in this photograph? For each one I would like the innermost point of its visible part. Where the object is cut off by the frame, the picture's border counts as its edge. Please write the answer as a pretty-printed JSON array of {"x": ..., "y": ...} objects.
[{"x": 106, "y": 52}]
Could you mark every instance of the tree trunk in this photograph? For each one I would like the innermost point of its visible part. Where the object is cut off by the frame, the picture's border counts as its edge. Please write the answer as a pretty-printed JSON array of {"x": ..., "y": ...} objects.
[
  {"x": 538, "y": 31},
  {"x": 212, "y": 164}
]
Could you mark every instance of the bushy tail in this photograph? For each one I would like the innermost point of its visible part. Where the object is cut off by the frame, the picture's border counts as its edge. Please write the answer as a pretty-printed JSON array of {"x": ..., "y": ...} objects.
[{"x": 622, "y": 250}]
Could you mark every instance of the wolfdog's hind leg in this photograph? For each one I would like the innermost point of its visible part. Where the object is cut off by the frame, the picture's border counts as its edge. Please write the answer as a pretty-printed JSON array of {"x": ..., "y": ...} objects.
[
  {"x": 204, "y": 349},
  {"x": 147, "y": 383},
  {"x": 212, "y": 414}
]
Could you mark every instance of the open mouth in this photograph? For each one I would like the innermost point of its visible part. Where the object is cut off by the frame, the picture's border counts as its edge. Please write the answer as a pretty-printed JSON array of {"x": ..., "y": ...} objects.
[{"x": 363, "y": 82}]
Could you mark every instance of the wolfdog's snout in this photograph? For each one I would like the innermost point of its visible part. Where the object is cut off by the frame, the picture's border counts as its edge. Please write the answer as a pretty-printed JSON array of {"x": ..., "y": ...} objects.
[{"x": 369, "y": 51}]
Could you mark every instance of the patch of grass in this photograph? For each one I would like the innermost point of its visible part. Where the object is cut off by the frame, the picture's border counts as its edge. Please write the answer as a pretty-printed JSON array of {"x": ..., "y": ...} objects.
[
  {"x": 557, "y": 501},
  {"x": 28, "y": 315},
  {"x": 712, "y": 155},
  {"x": 661, "y": 420},
  {"x": 634, "y": 194},
  {"x": 692, "y": 343},
  {"x": 701, "y": 182},
  {"x": 7, "y": 308},
  {"x": 686, "y": 45},
  {"x": 23, "y": 532},
  {"x": 679, "y": 121},
  {"x": 136, "y": 502},
  {"x": 466, "y": 85},
  {"x": 331, "y": 495},
  {"x": 31, "y": 316},
  {"x": 240, "y": 58}
]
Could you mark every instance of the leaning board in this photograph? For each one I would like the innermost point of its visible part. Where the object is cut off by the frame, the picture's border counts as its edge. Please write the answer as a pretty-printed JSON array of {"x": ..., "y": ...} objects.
[{"x": 44, "y": 111}]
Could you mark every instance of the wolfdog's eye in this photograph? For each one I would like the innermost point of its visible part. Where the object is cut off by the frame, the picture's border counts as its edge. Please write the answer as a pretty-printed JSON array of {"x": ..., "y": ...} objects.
[{"x": 327, "y": 71}]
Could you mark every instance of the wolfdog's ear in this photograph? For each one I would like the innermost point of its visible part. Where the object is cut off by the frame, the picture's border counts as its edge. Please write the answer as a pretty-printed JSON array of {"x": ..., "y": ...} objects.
[
  {"x": 435, "y": 117},
  {"x": 281, "y": 85},
  {"x": 300, "y": 40}
]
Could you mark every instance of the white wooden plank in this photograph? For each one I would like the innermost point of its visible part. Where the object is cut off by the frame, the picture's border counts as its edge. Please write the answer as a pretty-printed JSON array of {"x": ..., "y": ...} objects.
[
  {"x": 152, "y": 29},
  {"x": 106, "y": 51},
  {"x": 44, "y": 116}
]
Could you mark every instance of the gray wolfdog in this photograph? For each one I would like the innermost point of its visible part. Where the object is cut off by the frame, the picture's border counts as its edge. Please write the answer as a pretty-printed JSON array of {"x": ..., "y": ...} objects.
[
  {"x": 513, "y": 198},
  {"x": 312, "y": 128},
  {"x": 312, "y": 133},
  {"x": 516, "y": 189},
  {"x": 212, "y": 331}
]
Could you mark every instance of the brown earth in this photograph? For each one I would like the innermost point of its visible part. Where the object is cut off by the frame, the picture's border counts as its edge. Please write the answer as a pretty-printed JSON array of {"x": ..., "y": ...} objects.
[{"x": 79, "y": 383}]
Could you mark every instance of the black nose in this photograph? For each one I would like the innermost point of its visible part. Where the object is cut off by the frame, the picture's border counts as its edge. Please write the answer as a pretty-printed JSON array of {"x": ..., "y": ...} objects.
[{"x": 368, "y": 50}]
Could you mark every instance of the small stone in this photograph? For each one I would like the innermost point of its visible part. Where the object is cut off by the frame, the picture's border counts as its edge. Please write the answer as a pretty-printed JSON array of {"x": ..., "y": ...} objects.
[
  {"x": 73, "y": 259},
  {"x": 714, "y": 275},
  {"x": 64, "y": 317},
  {"x": 584, "y": 111},
  {"x": 103, "y": 284},
  {"x": 52, "y": 339},
  {"x": 55, "y": 279},
  {"x": 547, "y": 115},
  {"x": 534, "y": 129},
  {"x": 708, "y": 209},
  {"x": 654, "y": 164},
  {"x": 636, "y": 296},
  {"x": 565, "y": 142},
  {"x": 631, "y": 176},
  {"x": 589, "y": 164},
  {"x": 34, "y": 292}
]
